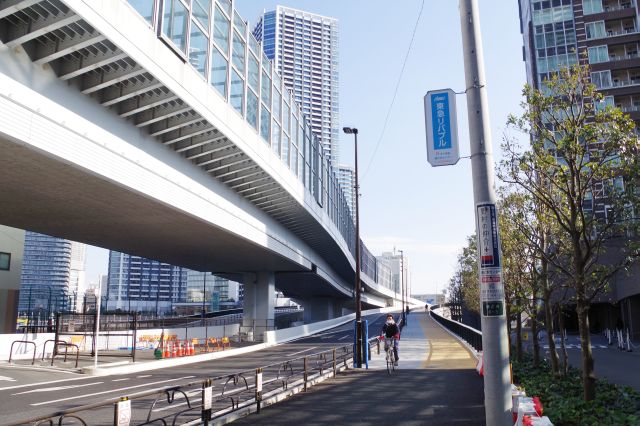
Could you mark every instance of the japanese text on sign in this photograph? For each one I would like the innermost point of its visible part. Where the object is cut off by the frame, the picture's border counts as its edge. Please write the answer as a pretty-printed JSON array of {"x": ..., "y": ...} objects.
[
  {"x": 441, "y": 123},
  {"x": 488, "y": 245}
]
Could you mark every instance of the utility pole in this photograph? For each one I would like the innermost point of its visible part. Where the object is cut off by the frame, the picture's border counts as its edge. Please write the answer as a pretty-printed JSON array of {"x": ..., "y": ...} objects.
[{"x": 497, "y": 386}]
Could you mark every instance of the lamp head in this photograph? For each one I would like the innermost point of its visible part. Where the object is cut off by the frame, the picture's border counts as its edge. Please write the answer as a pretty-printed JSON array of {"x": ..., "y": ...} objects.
[{"x": 350, "y": 130}]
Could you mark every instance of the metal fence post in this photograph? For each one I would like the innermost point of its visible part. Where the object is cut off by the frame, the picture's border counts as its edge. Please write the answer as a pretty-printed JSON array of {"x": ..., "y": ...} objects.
[
  {"x": 334, "y": 362},
  {"x": 305, "y": 373},
  {"x": 258, "y": 389},
  {"x": 207, "y": 395}
]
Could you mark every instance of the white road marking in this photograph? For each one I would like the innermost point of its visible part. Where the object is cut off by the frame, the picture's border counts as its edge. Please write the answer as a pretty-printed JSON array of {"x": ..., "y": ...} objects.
[
  {"x": 145, "y": 376},
  {"x": 56, "y": 388},
  {"x": 299, "y": 352},
  {"x": 110, "y": 391},
  {"x": 44, "y": 383},
  {"x": 6, "y": 379},
  {"x": 344, "y": 337},
  {"x": 120, "y": 380}
]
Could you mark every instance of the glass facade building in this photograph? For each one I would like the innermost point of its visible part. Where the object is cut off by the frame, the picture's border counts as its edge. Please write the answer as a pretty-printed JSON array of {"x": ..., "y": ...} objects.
[
  {"x": 143, "y": 285},
  {"x": 601, "y": 33},
  {"x": 347, "y": 180},
  {"x": 46, "y": 274},
  {"x": 304, "y": 49}
]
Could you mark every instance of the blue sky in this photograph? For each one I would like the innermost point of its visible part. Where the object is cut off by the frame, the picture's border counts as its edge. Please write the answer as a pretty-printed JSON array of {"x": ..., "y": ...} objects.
[{"x": 405, "y": 203}]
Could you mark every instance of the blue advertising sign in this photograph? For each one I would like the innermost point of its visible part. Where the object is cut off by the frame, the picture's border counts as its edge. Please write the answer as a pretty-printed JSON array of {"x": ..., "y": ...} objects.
[{"x": 442, "y": 129}]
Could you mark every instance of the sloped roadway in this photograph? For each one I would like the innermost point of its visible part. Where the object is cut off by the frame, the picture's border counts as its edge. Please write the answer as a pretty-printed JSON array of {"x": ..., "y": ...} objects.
[{"x": 51, "y": 392}]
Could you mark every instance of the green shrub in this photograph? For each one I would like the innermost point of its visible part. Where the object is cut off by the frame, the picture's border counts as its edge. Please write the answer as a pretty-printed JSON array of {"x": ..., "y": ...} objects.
[{"x": 562, "y": 400}]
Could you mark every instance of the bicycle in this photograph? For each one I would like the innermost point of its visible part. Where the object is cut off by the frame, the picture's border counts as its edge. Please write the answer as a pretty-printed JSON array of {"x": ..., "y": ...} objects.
[{"x": 390, "y": 355}]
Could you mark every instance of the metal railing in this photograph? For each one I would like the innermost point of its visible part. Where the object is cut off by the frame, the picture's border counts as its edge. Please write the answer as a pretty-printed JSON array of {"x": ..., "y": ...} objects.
[
  {"x": 470, "y": 335},
  {"x": 199, "y": 402}
]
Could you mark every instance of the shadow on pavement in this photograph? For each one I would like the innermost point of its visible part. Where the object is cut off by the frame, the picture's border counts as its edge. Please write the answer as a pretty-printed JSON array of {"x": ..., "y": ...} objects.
[{"x": 406, "y": 397}]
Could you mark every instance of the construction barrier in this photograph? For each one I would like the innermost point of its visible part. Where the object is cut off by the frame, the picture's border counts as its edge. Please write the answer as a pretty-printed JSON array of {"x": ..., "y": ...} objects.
[
  {"x": 527, "y": 411},
  {"x": 480, "y": 364}
]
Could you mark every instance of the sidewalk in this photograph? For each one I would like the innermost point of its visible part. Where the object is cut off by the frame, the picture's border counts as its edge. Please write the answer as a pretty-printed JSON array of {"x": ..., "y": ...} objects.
[
  {"x": 610, "y": 363},
  {"x": 435, "y": 383}
]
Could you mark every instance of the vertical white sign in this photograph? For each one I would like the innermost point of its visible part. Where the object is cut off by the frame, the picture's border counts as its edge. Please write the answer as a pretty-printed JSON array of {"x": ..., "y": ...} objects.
[
  {"x": 207, "y": 396},
  {"x": 123, "y": 413},
  {"x": 442, "y": 127},
  {"x": 491, "y": 286}
]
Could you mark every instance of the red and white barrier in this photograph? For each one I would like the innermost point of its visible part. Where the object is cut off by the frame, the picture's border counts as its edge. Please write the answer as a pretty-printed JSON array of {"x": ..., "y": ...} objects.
[
  {"x": 527, "y": 411},
  {"x": 480, "y": 364}
]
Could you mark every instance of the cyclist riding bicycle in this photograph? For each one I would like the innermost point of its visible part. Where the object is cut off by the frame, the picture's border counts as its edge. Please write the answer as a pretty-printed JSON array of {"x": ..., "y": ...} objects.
[{"x": 391, "y": 331}]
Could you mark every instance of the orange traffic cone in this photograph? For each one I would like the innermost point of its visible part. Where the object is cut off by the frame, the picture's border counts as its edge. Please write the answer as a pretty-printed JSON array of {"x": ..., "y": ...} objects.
[
  {"x": 174, "y": 350},
  {"x": 165, "y": 352},
  {"x": 180, "y": 350},
  {"x": 192, "y": 350}
]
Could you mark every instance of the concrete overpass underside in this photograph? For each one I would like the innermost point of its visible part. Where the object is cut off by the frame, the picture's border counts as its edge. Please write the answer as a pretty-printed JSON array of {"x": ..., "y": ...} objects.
[{"x": 114, "y": 141}]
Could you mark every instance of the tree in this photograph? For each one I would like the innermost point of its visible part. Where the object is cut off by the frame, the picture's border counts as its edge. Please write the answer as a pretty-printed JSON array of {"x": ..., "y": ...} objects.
[
  {"x": 517, "y": 262},
  {"x": 464, "y": 283},
  {"x": 582, "y": 167}
]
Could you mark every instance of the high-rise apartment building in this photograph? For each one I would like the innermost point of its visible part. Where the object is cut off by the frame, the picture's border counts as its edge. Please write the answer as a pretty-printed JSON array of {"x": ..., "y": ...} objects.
[
  {"x": 560, "y": 32},
  {"x": 605, "y": 35},
  {"x": 144, "y": 285},
  {"x": 46, "y": 274},
  {"x": 347, "y": 180},
  {"x": 304, "y": 49},
  {"x": 77, "y": 275}
]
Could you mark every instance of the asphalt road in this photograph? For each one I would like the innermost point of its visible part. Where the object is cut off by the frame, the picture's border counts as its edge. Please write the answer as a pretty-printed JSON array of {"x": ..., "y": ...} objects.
[{"x": 26, "y": 394}]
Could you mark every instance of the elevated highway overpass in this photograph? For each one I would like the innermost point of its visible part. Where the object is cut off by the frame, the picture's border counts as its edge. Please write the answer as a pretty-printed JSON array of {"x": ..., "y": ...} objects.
[{"x": 169, "y": 135}]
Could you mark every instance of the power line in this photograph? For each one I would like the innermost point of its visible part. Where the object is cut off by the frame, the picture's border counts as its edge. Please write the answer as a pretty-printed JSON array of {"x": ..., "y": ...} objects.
[{"x": 395, "y": 93}]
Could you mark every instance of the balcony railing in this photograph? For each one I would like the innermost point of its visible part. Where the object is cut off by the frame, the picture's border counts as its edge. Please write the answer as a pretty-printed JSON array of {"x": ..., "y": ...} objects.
[
  {"x": 625, "y": 83},
  {"x": 615, "y": 7},
  {"x": 621, "y": 32},
  {"x": 623, "y": 57},
  {"x": 632, "y": 108}
]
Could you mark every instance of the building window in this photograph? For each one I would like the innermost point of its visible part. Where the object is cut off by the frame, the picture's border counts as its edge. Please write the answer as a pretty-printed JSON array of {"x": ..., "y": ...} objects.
[
  {"x": 5, "y": 261},
  {"x": 218, "y": 71},
  {"x": 144, "y": 8},
  {"x": 174, "y": 24},
  {"x": 598, "y": 54},
  {"x": 590, "y": 7}
]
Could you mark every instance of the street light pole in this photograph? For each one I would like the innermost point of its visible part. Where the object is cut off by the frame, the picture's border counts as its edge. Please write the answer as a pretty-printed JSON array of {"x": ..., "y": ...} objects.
[
  {"x": 497, "y": 385},
  {"x": 404, "y": 316},
  {"x": 359, "y": 331}
]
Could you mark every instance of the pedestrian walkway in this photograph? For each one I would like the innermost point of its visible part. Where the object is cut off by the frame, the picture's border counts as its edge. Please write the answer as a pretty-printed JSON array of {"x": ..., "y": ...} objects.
[{"x": 435, "y": 383}]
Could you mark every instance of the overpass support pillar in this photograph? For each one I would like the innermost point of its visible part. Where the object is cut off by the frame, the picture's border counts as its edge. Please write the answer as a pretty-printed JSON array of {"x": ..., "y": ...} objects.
[
  {"x": 259, "y": 303},
  {"x": 320, "y": 309}
]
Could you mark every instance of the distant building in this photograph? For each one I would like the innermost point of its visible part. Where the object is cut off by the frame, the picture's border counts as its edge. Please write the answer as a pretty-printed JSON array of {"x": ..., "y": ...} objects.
[
  {"x": 11, "y": 252},
  {"x": 431, "y": 298},
  {"x": 47, "y": 281},
  {"x": 77, "y": 275},
  {"x": 304, "y": 49},
  {"x": 347, "y": 179},
  {"x": 144, "y": 285}
]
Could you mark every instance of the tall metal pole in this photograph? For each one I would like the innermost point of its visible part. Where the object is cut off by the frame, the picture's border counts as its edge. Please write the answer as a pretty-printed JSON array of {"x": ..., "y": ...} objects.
[
  {"x": 404, "y": 317},
  {"x": 204, "y": 292},
  {"x": 359, "y": 333},
  {"x": 97, "y": 334},
  {"x": 358, "y": 289},
  {"x": 497, "y": 385}
]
